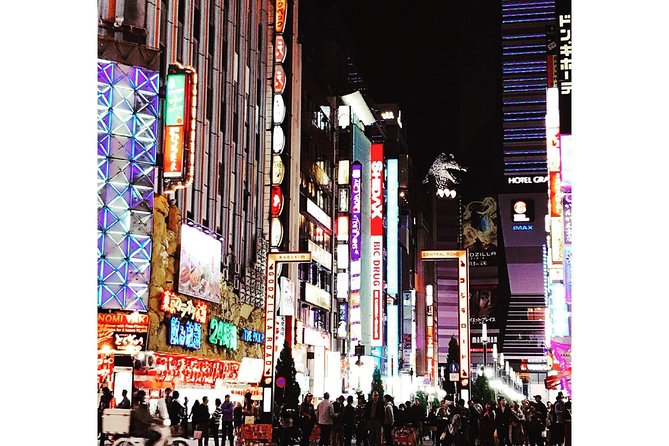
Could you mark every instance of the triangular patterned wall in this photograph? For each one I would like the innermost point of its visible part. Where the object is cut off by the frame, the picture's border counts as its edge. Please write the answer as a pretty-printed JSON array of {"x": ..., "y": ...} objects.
[{"x": 127, "y": 109}]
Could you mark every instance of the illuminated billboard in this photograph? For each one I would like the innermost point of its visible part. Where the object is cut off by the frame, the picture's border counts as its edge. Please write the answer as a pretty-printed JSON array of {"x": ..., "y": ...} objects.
[
  {"x": 127, "y": 129},
  {"x": 479, "y": 231},
  {"x": 179, "y": 127},
  {"x": 376, "y": 242},
  {"x": 200, "y": 265}
]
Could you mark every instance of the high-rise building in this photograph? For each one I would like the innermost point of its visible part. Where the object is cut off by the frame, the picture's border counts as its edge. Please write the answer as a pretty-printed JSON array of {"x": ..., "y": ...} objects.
[{"x": 182, "y": 100}]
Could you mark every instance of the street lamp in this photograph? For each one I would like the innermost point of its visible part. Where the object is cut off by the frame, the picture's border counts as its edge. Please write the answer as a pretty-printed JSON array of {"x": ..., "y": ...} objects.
[{"x": 484, "y": 340}]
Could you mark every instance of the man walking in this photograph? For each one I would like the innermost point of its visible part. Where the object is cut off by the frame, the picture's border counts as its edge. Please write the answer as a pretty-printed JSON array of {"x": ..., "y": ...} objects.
[
  {"x": 388, "y": 419},
  {"x": 502, "y": 421},
  {"x": 374, "y": 418},
  {"x": 325, "y": 414},
  {"x": 201, "y": 421},
  {"x": 215, "y": 422},
  {"x": 227, "y": 416}
]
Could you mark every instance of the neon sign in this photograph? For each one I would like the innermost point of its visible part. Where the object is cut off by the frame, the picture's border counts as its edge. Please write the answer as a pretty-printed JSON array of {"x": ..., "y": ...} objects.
[
  {"x": 172, "y": 304},
  {"x": 255, "y": 337},
  {"x": 187, "y": 335},
  {"x": 223, "y": 334},
  {"x": 376, "y": 224}
]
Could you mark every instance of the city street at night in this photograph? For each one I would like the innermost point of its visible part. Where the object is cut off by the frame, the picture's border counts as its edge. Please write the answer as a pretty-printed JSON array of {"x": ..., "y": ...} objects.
[{"x": 334, "y": 223}]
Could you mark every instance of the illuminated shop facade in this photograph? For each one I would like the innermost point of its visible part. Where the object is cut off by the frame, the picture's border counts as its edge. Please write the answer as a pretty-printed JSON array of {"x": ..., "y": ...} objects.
[{"x": 181, "y": 241}]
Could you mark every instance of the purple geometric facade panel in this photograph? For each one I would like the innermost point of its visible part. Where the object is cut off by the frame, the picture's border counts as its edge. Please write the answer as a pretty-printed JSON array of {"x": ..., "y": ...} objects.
[{"x": 128, "y": 109}]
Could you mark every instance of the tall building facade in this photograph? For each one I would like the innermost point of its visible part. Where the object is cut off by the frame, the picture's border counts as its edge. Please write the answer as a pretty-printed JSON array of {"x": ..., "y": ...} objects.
[{"x": 182, "y": 105}]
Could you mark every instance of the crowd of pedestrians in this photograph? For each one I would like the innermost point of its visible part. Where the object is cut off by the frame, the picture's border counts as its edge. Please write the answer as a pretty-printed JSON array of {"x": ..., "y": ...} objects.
[
  {"x": 368, "y": 423},
  {"x": 372, "y": 423}
]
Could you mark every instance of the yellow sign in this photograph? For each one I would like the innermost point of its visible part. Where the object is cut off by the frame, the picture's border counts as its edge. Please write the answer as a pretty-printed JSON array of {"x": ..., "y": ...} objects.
[
  {"x": 290, "y": 256},
  {"x": 438, "y": 255}
]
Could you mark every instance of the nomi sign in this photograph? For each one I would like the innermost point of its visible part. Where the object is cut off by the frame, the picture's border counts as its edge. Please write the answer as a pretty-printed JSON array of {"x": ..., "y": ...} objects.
[{"x": 376, "y": 239}]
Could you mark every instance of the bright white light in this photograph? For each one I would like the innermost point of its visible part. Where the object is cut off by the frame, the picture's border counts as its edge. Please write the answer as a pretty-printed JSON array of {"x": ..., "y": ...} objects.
[
  {"x": 359, "y": 107},
  {"x": 388, "y": 114}
]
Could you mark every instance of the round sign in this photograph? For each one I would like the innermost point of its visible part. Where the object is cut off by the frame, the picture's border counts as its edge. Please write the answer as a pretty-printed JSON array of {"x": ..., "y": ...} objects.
[
  {"x": 453, "y": 367},
  {"x": 281, "y": 382}
]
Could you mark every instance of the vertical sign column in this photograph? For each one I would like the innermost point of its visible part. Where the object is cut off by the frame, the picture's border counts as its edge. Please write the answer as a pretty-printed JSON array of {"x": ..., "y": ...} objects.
[
  {"x": 462, "y": 257},
  {"x": 376, "y": 232},
  {"x": 355, "y": 252}
]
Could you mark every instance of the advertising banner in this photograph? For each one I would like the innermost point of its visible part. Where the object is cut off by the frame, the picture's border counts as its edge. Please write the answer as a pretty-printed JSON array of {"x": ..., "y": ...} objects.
[
  {"x": 123, "y": 331},
  {"x": 188, "y": 370},
  {"x": 479, "y": 231},
  {"x": 483, "y": 306},
  {"x": 200, "y": 265},
  {"x": 376, "y": 239}
]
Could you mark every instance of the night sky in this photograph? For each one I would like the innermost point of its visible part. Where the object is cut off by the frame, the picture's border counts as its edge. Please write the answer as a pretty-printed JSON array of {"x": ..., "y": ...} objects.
[{"x": 441, "y": 62}]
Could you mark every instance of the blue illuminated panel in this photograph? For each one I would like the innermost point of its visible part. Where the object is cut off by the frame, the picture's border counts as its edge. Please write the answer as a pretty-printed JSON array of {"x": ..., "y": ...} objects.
[
  {"x": 127, "y": 110},
  {"x": 524, "y": 81}
]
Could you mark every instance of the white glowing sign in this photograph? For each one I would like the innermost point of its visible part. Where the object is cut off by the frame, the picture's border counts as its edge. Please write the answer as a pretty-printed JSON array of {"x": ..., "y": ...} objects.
[{"x": 392, "y": 227}]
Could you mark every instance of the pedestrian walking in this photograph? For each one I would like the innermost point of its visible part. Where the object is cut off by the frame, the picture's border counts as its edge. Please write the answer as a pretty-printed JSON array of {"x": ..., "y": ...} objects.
[
  {"x": 535, "y": 426},
  {"x": 348, "y": 420},
  {"x": 417, "y": 417},
  {"x": 227, "y": 420},
  {"x": 502, "y": 422},
  {"x": 360, "y": 423},
  {"x": 104, "y": 403},
  {"x": 307, "y": 418},
  {"x": 516, "y": 427},
  {"x": 475, "y": 411},
  {"x": 487, "y": 425},
  {"x": 337, "y": 435},
  {"x": 248, "y": 409},
  {"x": 325, "y": 413},
  {"x": 176, "y": 413},
  {"x": 388, "y": 419},
  {"x": 215, "y": 422},
  {"x": 238, "y": 418},
  {"x": 200, "y": 420},
  {"x": 557, "y": 427},
  {"x": 374, "y": 419}
]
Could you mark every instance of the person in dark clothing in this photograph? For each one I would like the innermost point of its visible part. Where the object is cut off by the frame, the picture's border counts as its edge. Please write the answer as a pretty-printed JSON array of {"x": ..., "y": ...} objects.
[
  {"x": 176, "y": 412},
  {"x": 557, "y": 428},
  {"x": 502, "y": 422},
  {"x": 337, "y": 435},
  {"x": 227, "y": 418},
  {"x": 374, "y": 419},
  {"x": 535, "y": 426},
  {"x": 348, "y": 420},
  {"x": 125, "y": 402},
  {"x": 237, "y": 417},
  {"x": 475, "y": 411},
  {"x": 307, "y": 418},
  {"x": 215, "y": 422},
  {"x": 388, "y": 419},
  {"x": 360, "y": 423},
  {"x": 417, "y": 418},
  {"x": 141, "y": 421},
  {"x": 201, "y": 420},
  {"x": 105, "y": 403}
]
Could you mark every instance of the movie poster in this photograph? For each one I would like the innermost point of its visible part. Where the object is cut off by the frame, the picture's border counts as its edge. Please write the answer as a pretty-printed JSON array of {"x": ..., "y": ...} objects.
[{"x": 479, "y": 231}]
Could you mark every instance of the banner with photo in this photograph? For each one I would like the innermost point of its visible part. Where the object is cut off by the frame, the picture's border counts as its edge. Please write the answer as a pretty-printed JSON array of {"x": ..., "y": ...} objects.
[
  {"x": 200, "y": 265},
  {"x": 479, "y": 231},
  {"x": 483, "y": 306}
]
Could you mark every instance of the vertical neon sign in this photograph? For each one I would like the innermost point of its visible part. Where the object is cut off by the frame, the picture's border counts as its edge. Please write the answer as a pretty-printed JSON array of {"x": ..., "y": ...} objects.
[{"x": 376, "y": 238}]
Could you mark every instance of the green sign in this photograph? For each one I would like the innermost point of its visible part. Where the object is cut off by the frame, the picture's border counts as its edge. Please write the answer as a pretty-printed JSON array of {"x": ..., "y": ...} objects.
[
  {"x": 175, "y": 100},
  {"x": 223, "y": 334}
]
